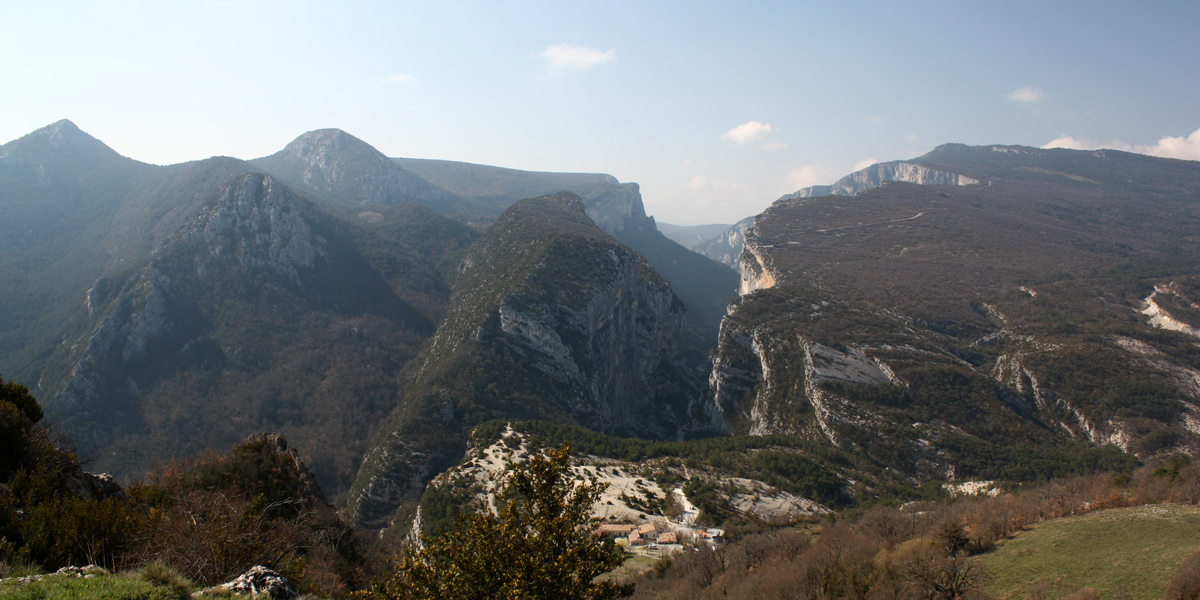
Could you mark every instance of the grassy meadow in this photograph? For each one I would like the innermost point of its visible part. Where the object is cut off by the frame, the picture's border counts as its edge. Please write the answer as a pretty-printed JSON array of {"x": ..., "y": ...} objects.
[{"x": 1127, "y": 553}]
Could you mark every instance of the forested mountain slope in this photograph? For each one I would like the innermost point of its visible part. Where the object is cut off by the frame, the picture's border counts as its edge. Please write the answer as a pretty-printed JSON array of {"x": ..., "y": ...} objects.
[
  {"x": 550, "y": 319},
  {"x": 704, "y": 285},
  {"x": 159, "y": 311},
  {"x": 1041, "y": 304}
]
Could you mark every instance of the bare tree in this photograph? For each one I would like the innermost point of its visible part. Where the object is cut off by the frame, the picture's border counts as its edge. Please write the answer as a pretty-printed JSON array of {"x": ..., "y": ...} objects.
[{"x": 939, "y": 577}]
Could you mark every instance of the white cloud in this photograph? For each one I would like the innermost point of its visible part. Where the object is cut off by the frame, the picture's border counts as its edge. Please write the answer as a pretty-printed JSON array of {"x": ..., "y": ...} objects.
[
  {"x": 809, "y": 175},
  {"x": 1026, "y": 95},
  {"x": 774, "y": 145},
  {"x": 563, "y": 56},
  {"x": 748, "y": 132},
  {"x": 698, "y": 182},
  {"x": 1175, "y": 147},
  {"x": 687, "y": 163},
  {"x": 401, "y": 78},
  {"x": 912, "y": 137},
  {"x": 1187, "y": 148},
  {"x": 1070, "y": 143},
  {"x": 864, "y": 163}
]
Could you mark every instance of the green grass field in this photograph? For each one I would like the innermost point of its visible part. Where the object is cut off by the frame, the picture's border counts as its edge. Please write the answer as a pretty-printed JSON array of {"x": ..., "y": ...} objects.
[
  {"x": 635, "y": 564},
  {"x": 1126, "y": 553},
  {"x": 104, "y": 587}
]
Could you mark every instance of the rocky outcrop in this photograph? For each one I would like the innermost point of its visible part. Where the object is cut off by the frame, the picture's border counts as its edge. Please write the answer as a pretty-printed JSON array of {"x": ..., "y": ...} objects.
[
  {"x": 138, "y": 318},
  {"x": 261, "y": 225},
  {"x": 86, "y": 572},
  {"x": 393, "y": 471},
  {"x": 258, "y": 581},
  {"x": 277, "y": 445},
  {"x": 757, "y": 273},
  {"x": 91, "y": 486}
]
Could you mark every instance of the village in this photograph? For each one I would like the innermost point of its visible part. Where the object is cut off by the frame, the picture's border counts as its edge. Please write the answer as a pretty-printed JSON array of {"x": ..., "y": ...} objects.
[
  {"x": 654, "y": 535},
  {"x": 655, "y": 539}
]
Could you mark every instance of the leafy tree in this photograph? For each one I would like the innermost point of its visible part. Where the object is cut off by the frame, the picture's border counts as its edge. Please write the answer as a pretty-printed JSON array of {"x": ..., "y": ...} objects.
[
  {"x": 18, "y": 395},
  {"x": 538, "y": 544}
]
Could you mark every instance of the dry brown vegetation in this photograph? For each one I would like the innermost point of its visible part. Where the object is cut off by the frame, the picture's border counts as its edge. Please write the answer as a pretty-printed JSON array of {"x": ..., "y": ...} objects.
[
  {"x": 1185, "y": 585},
  {"x": 921, "y": 550}
]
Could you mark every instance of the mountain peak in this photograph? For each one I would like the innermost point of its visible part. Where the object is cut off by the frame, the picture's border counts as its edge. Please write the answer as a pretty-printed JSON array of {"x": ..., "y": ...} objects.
[
  {"x": 315, "y": 145},
  {"x": 60, "y": 134},
  {"x": 56, "y": 149},
  {"x": 64, "y": 133},
  {"x": 346, "y": 170},
  {"x": 63, "y": 128}
]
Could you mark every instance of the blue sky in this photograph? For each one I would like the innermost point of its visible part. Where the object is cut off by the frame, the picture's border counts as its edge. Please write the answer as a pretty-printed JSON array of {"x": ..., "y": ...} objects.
[{"x": 716, "y": 109}]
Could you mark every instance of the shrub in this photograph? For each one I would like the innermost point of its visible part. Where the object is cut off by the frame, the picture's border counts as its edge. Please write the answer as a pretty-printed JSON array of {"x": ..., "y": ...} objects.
[
  {"x": 161, "y": 574},
  {"x": 1185, "y": 584},
  {"x": 538, "y": 545}
]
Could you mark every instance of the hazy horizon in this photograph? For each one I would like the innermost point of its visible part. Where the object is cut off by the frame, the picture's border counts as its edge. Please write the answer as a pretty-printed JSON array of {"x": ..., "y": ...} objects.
[{"x": 714, "y": 110}]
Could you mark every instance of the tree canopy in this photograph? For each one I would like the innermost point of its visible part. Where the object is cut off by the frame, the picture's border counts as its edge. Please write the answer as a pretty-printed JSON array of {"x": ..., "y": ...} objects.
[{"x": 537, "y": 544}]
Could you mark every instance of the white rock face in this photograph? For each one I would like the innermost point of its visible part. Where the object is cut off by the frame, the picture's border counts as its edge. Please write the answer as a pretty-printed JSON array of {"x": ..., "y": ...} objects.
[
  {"x": 539, "y": 337},
  {"x": 879, "y": 174},
  {"x": 1163, "y": 319},
  {"x": 402, "y": 471},
  {"x": 850, "y": 366},
  {"x": 727, "y": 247},
  {"x": 629, "y": 489}
]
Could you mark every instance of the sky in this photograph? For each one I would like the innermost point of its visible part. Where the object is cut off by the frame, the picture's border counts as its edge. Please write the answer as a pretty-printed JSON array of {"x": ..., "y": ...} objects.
[{"x": 715, "y": 108}]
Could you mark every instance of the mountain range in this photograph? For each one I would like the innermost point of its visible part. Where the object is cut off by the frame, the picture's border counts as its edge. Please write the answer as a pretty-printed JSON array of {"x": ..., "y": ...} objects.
[
  {"x": 979, "y": 312},
  {"x": 159, "y": 311}
]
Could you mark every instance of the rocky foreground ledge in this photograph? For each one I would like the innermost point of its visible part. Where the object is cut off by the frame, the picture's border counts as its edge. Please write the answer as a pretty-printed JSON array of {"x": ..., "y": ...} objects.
[{"x": 258, "y": 582}]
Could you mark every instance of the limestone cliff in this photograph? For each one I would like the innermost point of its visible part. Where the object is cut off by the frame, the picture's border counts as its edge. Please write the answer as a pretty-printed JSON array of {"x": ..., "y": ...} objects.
[
  {"x": 617, "y": 209},
  {"x": 879, "y": 174},
  {"x": 727, "y": 248}
]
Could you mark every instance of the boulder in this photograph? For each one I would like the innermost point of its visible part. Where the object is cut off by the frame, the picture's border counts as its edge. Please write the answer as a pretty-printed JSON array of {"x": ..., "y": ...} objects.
[{"x": 257, "y": 581}]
